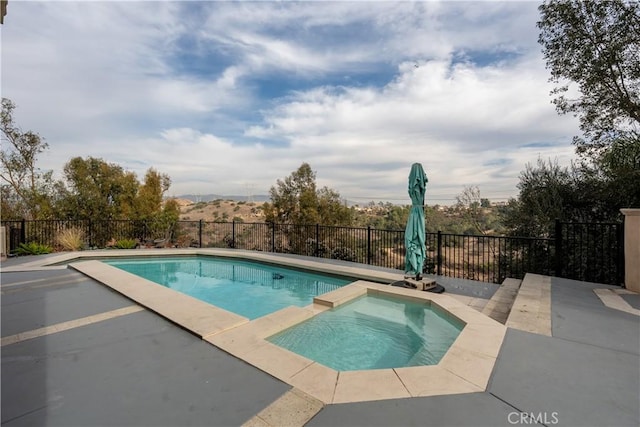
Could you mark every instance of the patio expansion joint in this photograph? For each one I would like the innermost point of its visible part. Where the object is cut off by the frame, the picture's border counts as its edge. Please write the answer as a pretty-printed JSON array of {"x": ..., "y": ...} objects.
[
  {"x": 71, "y": 324},
  {"x": 35, "y": 281}
]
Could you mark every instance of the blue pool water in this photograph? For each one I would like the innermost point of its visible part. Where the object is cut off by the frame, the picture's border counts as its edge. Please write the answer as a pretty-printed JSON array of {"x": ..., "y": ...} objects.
[
  {"x": 373, "y": 332},
  {"x": 246, "y": 288}
]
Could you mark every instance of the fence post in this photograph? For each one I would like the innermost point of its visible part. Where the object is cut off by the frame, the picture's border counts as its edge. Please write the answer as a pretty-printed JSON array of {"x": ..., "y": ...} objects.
[
  {"x": 233, "y": 233},
  {"x": 439, "y": 254},
  {"x": 273, "y": 237},
  {"x": 368, "y": 244},
  {"x": 200, "y": 234},
  {"x": 620, "y": 261},
  {"x": 558, "y": 244},
  {"x": 23, "y": 231},
  {"x": 317, "y": 240}
]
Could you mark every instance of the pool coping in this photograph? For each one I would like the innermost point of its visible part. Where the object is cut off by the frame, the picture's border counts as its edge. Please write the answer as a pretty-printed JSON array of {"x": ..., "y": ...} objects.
[{"x": 465, "y": 368}]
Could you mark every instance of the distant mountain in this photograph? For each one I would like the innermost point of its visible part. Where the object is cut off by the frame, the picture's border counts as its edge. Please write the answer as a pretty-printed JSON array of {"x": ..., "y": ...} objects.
[
  {"x": 210, "y": 197},
  {"x": 256, "y": 198}
]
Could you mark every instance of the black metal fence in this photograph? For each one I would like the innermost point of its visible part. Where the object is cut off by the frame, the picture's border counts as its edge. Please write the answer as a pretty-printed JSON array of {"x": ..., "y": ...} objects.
[{"x": 590, "y": 252}]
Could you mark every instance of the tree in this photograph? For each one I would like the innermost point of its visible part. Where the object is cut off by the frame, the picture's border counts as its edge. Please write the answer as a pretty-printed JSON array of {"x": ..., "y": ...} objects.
[
  {"x": 469, "y": 204},
  {"x": 296, "y": 200},
  {"x": 151, "y": 193},
  {"x": 26, "y": 188},
  {"x": 596, "y": 45},
  {"x": 149, "y": 206},
  {"x": 331, "y": 209},
  {"x": 612, "y": 180},
  {"x": 97, "y": 190},
  {"x": 548, "y": 192}
]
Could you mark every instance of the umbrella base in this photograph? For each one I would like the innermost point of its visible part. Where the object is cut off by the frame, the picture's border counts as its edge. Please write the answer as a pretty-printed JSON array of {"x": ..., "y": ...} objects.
[{"x": 428, "y": 285}]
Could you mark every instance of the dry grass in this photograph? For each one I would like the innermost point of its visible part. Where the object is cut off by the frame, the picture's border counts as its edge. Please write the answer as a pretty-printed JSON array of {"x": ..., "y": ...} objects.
[{"x": 70, "y": 239}]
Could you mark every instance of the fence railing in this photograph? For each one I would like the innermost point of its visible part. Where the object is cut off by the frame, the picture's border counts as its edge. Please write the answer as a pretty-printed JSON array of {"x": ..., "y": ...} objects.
[{"x": 589, "y": 252}]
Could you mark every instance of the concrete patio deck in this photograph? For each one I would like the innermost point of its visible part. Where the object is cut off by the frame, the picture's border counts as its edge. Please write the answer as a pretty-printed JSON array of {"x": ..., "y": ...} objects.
[{"x": 75, "y": 352}]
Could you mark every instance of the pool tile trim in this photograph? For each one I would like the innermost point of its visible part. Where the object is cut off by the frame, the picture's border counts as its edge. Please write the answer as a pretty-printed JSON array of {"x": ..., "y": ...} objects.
[{"x": 465, "y": 368}]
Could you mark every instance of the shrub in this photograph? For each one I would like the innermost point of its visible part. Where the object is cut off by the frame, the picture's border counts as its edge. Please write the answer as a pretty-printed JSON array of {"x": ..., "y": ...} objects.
[
  {"x": 32, "y": 248},
  {"x": 71, "y": 239},
  {"x": 344, "y": 254},
  {"x": 429, "y": 266},
  {"x": 228, "y": 240},
  {"x": 313, "y": 249},
  {"x": 125, "y": 244}
]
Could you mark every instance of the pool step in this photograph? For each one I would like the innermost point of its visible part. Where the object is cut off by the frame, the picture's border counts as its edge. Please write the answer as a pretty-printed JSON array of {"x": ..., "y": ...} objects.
[{"x": 499, "y": 306}]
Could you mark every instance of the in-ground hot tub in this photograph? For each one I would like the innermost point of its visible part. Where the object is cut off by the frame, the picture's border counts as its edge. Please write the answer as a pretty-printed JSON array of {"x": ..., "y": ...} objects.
[{"x": 374, "y": 332}]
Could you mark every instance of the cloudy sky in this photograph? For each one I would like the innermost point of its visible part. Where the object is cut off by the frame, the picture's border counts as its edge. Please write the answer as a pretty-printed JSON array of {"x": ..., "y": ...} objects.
[{"x": 227, "y": 97}]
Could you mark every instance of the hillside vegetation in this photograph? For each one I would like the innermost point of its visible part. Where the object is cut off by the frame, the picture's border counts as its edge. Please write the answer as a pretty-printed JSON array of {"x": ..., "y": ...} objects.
[
  {"x": 386, "y": 216},
  {"x": 222, "y": 211}
]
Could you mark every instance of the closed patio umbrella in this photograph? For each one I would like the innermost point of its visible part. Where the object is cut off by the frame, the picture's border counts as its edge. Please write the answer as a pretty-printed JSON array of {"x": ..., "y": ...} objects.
[{"x": 414, "y": 237}]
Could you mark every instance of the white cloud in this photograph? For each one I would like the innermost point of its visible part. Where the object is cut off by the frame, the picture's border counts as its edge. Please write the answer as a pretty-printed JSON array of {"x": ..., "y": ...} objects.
[
  {"x": 180, "y": 87},
  {"x": 467, "y": 125}
]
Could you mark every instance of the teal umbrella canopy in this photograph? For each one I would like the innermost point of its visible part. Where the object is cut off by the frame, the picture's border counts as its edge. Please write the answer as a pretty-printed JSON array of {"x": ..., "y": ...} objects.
[{"x": 414, "y": 236}]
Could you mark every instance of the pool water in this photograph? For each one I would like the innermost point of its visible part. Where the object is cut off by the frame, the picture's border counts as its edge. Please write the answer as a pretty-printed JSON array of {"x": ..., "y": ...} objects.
[
  {"x": 373, "y": 332},
  {"x": 249, "y": 289}
]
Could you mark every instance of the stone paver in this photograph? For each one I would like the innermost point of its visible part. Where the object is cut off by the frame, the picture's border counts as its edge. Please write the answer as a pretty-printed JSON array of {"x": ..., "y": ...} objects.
[
  {"x": 531, "y": 310},
  {"x": 499, "y": 306},
  {"x": 612, "y": 299},
  {"x": 294, "y": 408}
]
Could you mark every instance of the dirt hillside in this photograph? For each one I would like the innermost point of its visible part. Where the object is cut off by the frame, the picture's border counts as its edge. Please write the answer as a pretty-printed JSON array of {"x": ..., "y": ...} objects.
[{"x": 222, "y": 210}]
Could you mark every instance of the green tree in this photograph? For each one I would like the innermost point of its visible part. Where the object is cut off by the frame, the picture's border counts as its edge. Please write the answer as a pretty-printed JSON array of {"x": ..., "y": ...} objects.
[
  {"x": 548, "y": 192},
  {"x": 331, "y": 209},
  {"x": 611, "y": 180},
  {"x": 151, "y": 193},
  {"x": 150, "y": 206},
  {"x": 596, "y": 45},
  {"x": 96, "y": 190},
  {"x": 396, "y": 217},
  {"x": 296, "y": 200},
  {"x": 25, "y": 188}
]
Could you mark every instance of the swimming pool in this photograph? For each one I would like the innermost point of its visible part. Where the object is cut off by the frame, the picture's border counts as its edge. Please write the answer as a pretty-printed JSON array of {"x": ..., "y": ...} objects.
[
  {"x": 373, "y": 332},
  {"x": 465, "y": 368},
  {"x": 250, "y": 289}
]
